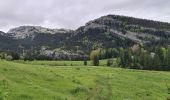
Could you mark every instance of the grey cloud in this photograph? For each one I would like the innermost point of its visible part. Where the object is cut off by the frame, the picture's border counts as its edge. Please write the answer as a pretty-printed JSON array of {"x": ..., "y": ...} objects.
[{"x": 74, "y": 13}]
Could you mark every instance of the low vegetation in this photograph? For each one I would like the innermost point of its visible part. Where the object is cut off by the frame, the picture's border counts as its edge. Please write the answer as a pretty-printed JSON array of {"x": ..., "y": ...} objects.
[{"x": 41, "y": 80}]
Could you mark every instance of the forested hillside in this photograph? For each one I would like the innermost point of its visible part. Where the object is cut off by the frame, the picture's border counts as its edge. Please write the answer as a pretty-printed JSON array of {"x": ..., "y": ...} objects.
[{"x": 107, "y": 32}]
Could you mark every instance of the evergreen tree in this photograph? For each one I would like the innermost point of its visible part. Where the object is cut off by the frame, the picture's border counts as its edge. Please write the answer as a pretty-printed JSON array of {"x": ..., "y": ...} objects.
[
  {"x": 85, "y": 61},
  {"x": 168, "y": 59},
  {"x": 162, "y": 54},
  {"x": 157, "y": 62},
  {"x": 94, "y": 56}
]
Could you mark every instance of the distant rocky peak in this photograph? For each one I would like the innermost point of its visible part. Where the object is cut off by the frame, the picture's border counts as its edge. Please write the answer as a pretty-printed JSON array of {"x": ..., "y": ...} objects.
[
  {"x": 30, "y": 31},
  {"x": 2, "y": 33}
]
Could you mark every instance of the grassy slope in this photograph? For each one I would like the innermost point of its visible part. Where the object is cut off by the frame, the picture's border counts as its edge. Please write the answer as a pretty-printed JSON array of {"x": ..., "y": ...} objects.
[
  {"x": 61, "y": 63},
  {"x": 42, "y": 82}
]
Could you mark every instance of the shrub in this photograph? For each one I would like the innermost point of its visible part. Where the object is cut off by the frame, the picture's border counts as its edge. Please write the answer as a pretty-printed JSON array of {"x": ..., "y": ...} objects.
[
  {"x": 9, "y": 58},
  {"x": 4, "y": 86},
  {"x": 94, "y": 56},
  {"x": 109, "y": 62},
  {"x": 79, "y": 89},
  {"x": 168, "y": 88},
  {"x": 85, "y": 62},
  {"x": 2, "y": 95}
]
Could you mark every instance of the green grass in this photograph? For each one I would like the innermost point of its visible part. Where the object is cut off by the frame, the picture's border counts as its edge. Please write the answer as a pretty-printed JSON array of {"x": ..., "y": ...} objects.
[
  {"x": 61, "y": 63},
  {"x": 37, "y": 81}
]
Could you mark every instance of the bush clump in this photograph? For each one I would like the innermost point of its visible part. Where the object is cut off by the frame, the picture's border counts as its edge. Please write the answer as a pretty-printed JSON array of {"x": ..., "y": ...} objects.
[{"x": 79, "y": 89}]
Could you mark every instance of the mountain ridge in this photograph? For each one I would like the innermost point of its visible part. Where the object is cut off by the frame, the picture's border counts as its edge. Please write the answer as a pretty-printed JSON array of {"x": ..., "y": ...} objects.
[
  {"x": 108, "y": 31},
  {"x": 22, "y": 32}
]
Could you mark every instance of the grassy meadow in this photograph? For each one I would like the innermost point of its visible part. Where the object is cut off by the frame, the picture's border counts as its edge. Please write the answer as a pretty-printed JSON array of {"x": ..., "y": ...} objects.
[
  {"x": 61, "y": 63},
  {"x": 65, "y": 80}
]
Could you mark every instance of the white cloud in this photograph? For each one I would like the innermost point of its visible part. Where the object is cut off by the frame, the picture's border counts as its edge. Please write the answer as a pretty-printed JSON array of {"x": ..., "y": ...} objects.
[{"x": 74, "y": 13}]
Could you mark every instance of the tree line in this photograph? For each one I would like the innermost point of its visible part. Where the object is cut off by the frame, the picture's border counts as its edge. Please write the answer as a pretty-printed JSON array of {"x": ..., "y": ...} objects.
[{"x": 136, "y": 57}]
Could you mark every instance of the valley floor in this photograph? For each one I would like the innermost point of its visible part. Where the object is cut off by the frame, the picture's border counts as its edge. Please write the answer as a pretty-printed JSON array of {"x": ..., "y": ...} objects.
[{"x": 35, "y": 81}]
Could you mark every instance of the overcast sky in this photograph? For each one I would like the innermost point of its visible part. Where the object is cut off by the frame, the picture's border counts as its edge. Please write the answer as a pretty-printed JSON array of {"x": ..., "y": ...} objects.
[{"x": 74, "y": 13}]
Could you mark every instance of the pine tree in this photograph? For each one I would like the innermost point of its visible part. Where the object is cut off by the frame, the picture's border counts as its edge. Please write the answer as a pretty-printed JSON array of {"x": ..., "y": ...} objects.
[
  {"x": 168, "y": 59},
  {"x": 156, "y": 62}
]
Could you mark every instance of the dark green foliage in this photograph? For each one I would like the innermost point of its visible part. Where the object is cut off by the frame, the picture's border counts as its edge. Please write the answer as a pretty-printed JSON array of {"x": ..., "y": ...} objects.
[
  {"x": 3, "y": 87},
  {"x": 2, "y": 95},
  {"x": 138, "y": 57},
  {"x": 96, "y": 61},
  {"x": 149, "y": 60},
  {"x": 85, "y": 62},
  {"x": 168, "y": 60},
  {"x": 109, "y": 62},
  {"x": 80, "y": 89},
  {"x": 168, "y": 88},
  {"x": 15, "y": 56},
  {"x": 29, "y": 56},
  {"x": 2, "y": 55},
  {"x": 9, "y": 55},
  {"x": 94, "y": 56}
]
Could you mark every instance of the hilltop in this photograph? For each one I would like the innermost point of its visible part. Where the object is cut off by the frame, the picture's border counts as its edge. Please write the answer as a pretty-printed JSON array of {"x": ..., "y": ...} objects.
[{"x": 111, "y": 31}]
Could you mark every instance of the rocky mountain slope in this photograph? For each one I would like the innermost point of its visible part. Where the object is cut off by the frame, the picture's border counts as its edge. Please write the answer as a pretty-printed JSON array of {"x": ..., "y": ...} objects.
[
  {"x": 105, "y": 32},
  {"x": 120, "y": 31},
  {"x": 24, "y": 32},
  {"x": 34, "y": 37}
]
